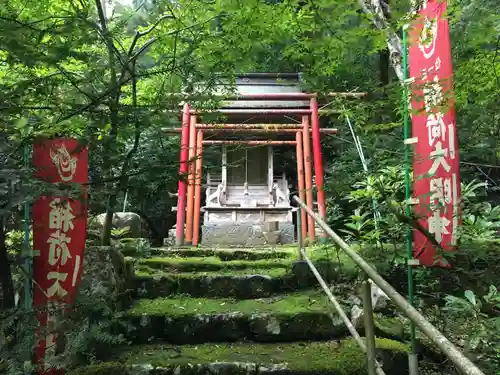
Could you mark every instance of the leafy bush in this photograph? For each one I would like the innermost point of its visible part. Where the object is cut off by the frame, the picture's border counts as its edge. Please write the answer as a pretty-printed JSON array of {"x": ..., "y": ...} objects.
[
  {"x": 374, "y": 224},
  {"x": 87, "y": 328},
  {"x": 14, "y": 240},
  {"x": 87, "y": 332},
  {"x": 476, "y": 322},
  {"x": 469, "y": 319}
]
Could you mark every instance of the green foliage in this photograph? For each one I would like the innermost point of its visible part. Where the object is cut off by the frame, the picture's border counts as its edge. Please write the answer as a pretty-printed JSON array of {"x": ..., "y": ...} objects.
[
  {"x": 469, "y": 318},
  {"x": 480, "y": 316},
  {"x": 87, "y": 333},
  {"x": 373, "y": 225},
  {"x": 481, "y": 220},
  {"x": 14, "y": 240},
  {"x": 65, "y": 71},
  {"x": 140, "y": 246}
]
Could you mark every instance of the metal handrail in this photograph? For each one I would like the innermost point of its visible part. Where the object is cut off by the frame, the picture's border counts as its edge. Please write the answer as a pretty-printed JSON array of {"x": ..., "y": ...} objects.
[{"x": 451, "y": 351}]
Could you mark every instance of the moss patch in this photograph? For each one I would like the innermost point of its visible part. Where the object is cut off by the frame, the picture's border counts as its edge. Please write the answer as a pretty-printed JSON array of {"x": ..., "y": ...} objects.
[
  {"x": 312, "y": 301},
  {"x": 165, "y": 276},
  {"x": 145, "y": 270},
  {"x": 106, "y": 368},
  {"x": 244, "y": 261},
  {"x": 245, "y": 283},
  {"x": 230, "y": 254},
  {"x": 240, "y": 283},
  {"x": 334, "y": 357},
  {"x": 184, "y": 320},
  {"x": 390, "y": 326},
  {"x": 212, "y": 263},
  {"x": 339, "y": 358},
  {"x": 329, "y": 253}
]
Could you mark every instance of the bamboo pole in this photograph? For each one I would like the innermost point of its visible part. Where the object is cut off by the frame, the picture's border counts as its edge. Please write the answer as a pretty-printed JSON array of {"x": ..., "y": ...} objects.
[
  {"x": 412, "y": 357},
  {"x": 451, "y": 351},
  {"x": 369, "y": 327}
]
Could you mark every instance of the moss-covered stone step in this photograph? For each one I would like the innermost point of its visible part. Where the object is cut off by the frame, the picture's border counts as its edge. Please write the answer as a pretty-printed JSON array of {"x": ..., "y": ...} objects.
[
  {"x": 184, "y": 320},
  {"x": 212, "y": 263},
  {"x": 245, "y": 284},
  {"x": 315, "y": 358},
  {"x": 223, "y": 254},
  {"x": 229, "y": 283},
  {"x": 296, "y": 316}
]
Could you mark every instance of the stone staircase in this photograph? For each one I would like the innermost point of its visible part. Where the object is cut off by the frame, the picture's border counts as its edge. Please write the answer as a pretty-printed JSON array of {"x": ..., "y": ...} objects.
[{"x": 239, "y": 311}]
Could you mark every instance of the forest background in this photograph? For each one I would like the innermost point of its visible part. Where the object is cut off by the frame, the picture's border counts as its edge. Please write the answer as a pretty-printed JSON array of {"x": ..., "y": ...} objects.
[{"x": 103, "y": 74}]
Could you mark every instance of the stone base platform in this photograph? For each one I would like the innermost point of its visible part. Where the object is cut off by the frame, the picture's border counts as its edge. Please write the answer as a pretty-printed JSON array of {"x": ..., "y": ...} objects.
[{"x": 245, "y": 235}]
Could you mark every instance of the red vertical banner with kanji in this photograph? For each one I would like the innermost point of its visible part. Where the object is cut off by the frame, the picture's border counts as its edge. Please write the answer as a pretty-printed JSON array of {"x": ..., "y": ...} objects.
[
  {"x": 436, "y": 169},
  {"x": 59, "y": 234}
]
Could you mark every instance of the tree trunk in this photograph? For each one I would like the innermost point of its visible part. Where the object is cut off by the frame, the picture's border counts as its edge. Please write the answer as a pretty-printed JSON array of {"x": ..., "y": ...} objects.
[
  {"x": 384, "y": 65},
  {"x": 7, "y": 300},
  {"x": 108, "y": 221},
  {"x": 110, "y": 143},
  {"x": 384, "y": 55},
  {"x": 384, "y": 73},
  {"x": 378, "y": 11}
]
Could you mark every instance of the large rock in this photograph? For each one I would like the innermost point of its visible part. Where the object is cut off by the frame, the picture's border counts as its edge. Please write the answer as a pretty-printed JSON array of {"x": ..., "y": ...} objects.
[
  {"x": 136, "y": 226},
  {"x": 106, "y": 274},
  {"x": 380, "y": 302}
]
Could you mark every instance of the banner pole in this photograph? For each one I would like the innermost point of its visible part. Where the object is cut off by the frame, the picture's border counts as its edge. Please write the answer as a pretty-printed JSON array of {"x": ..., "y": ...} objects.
[
  {"x": 125, "y": 201},
  {"x": 27, "y": 250},
  {"x": 28, "y": 274},
  {"x": 412, "y": 357},
  {"x": 359, "y": 149}
]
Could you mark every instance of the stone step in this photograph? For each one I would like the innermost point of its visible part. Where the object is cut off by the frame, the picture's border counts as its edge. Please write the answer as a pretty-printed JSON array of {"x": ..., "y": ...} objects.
[
  {"x": 223, "y": 254},
  {"x": 183, "y": 320},
  {"x": 243, "y": 284},
  {"x": 240, "y": 284},
  {"x": 299, "y": 358},
  {"x": 306, "y": 315},
  {"x": 195, "y": 264}
]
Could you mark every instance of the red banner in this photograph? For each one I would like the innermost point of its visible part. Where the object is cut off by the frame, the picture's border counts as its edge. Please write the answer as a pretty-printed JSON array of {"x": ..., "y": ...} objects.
[
  {"x": 436, "y": 188},
  {"x": 59, "y": 233}
]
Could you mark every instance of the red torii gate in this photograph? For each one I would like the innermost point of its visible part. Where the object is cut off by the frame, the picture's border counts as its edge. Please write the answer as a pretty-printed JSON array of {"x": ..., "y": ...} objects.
[{"x": 191, "y": 156}]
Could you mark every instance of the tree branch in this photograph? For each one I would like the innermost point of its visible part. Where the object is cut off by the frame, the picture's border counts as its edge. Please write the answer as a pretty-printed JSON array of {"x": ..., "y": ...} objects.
[
  {"x": 140, "y": 34},
  {"x": 20, "y": 23},
  {"x": 377, "y": 13},
  {"x": 67, "y": 74},
  {"x": 113, "y": 103},
  {"x": 137, "y": 134}
]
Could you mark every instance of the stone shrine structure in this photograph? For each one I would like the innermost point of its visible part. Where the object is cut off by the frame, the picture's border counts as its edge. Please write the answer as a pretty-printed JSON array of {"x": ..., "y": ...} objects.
[
  {"x": 246, "y": 203},
  {"x": 247, "y": 193}
]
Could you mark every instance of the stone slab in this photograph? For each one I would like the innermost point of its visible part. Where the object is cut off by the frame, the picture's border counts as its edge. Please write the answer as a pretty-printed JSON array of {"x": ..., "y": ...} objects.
[
  {"x": 258, "y": 327},
  {"x": 246, "y": 235},
  {"x": 245, "y": 286},
  {"x": 343, "y": 357}
]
